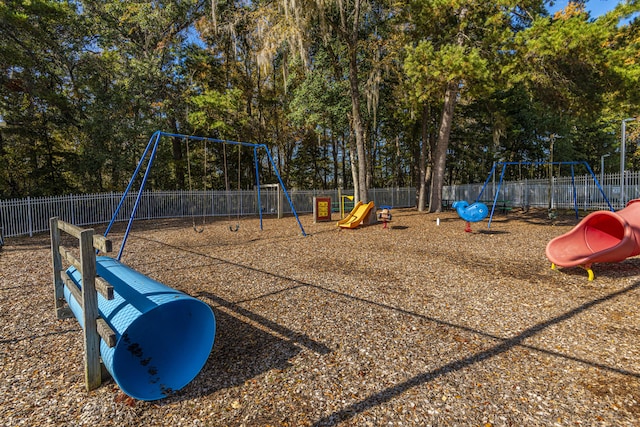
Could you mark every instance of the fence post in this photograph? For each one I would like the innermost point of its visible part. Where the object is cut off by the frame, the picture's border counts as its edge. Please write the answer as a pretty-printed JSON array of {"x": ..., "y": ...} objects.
[
  {"x": 29, "y": 214},
  {"x": 280, "y": 202}
]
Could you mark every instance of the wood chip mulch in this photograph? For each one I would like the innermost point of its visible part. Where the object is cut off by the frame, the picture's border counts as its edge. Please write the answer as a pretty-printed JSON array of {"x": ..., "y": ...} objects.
[{"x": 416, "y": 325}]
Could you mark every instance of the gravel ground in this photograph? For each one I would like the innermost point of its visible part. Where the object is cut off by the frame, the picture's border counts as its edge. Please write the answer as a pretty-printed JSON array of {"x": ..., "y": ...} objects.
[{"x": 416, "y": 325}]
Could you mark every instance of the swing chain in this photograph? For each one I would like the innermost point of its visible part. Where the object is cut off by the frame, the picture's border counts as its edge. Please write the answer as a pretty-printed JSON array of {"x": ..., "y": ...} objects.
[
  {"x": 193, "y": 218},
  {"x": 227, "y": 187}
]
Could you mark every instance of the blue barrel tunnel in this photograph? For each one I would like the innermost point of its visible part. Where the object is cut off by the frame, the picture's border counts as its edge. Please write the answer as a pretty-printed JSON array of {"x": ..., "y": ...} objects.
[{"x": 163, "y": 336}]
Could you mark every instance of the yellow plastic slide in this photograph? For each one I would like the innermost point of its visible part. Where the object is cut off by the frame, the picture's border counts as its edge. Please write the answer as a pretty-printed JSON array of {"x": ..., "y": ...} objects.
[{"x": 356, "y": 216}]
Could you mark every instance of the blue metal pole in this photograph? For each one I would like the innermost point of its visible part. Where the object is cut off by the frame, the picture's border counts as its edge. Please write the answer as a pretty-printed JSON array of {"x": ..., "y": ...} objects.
[
  {"x": 135, "y": 206},
  {"x": 495, "y": 198},
  {"x": 255, "y": 161},
  {"x": 204, "y": 138},
  {"x": 598, "y": 185},
  {"x": 493, "y": 168},
  {"x": 284, "y": 189},
  {"x": 575, "y": 192},
  {"x": 155, "y": 135}
]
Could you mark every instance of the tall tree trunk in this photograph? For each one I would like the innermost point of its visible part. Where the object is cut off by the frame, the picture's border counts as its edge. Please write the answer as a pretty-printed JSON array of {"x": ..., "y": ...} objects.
[
  {"x": 354, "y": 168},
  {"x": 432, "y": 138},
  {"x": 442, "y": 145},
  {"x": 317, "y": 173},
  {"x": 362, "y": 193},
  {"x": 370, "y": 156},
  {"x": 361, "y": 176},
  {"x": 334, "y": 152},
  {"x": 343, "y": 163},
  {"x": 396, "y": 164},
  {"x": 424, "y": 149}
]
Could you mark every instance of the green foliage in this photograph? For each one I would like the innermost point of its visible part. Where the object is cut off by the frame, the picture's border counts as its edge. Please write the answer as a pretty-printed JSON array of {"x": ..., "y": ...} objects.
[
  {"x": 210, "y": 111},
  {"x": 38, "y": 100},
  {"x": 83, "y": 84},
  {"x": 429, "y": 70}
]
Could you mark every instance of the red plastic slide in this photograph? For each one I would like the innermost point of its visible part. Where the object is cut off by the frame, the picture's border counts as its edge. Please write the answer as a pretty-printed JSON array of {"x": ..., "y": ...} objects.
[{"x": 602, "y": 236}]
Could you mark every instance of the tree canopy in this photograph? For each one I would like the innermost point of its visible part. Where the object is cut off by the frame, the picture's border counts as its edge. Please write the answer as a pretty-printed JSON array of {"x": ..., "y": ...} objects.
[{"x": 353, "y": 94}]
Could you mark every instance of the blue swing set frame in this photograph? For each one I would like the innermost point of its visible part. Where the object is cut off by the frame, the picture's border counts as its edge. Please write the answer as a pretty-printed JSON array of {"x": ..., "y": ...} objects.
[
  {"x": 572, "y": 164},
  {"x": 152, "y": 146}
]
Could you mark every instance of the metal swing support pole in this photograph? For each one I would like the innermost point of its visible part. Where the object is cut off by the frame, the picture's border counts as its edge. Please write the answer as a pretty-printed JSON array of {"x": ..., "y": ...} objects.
[
  {"x": 284, "y": 189},
  {"x": 153, "y": 142},
  {"x": 575, "y": 192},
  {"x": 493, "y": 169},
  {"x": 255, "y": 162},
  {"x": 155, "y": 136},
  {"x": 495, "y": 197},
  {"x": 139, "y": 196}
]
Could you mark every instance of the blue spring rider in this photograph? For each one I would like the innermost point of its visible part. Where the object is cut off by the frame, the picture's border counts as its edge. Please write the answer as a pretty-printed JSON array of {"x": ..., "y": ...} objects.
[{"x": 470, "y": 212}]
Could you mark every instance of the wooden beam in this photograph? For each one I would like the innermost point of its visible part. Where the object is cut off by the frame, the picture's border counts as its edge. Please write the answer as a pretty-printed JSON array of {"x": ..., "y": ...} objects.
[
  {"x": 102, "y": 243},
  {"x": 92, "y": 374},
  {"x": 75, "y": 231},
  {"x": 104, "y": 287},
  {"x": 103, "y": 328},
  {"x": 106, "y": 333},
  {"x": 99, "y": 242},
  {"x": 56, "y": 261},
  {"x": 70, "y": 257},
  {"x": 73, "y": 288}
]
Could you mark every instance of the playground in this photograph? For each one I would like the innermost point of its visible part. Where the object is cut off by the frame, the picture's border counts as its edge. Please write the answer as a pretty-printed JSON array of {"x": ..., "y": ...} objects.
[{"x": 416, "y": 324}]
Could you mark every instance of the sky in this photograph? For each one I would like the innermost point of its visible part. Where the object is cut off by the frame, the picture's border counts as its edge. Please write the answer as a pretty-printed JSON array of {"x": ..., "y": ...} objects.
[{"x": 595, "y": 7}]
